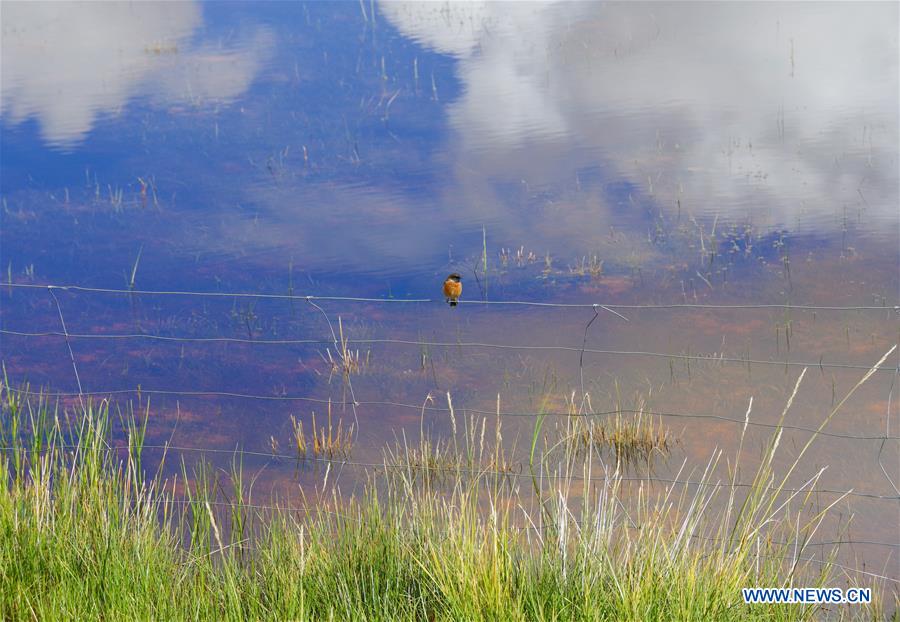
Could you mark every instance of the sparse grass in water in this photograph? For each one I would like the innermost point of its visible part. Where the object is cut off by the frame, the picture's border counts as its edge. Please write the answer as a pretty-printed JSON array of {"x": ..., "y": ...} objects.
[
  {"x": 588, "y": 266},
  {"x": 634, "y": 438},
  {"x": 520, "y": 258},
  {"x": 345, "y": 361},
  {"x": 327, "y": 441},
  {"x": 448, "y": 459}
]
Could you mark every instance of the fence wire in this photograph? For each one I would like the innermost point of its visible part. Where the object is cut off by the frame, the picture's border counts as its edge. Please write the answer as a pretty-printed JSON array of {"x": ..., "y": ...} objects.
[
  {"x": 462, "y": 409},
  {"x": 302, "y": 297},
  {"x": 714, "y": 358},
  {"x": 709, "y": 358}
]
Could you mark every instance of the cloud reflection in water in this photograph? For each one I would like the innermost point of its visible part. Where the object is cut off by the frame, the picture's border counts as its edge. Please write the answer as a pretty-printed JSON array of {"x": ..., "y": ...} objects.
[
  {"x": 66, "y": 63},
  {"x": 780, "y": 114}
]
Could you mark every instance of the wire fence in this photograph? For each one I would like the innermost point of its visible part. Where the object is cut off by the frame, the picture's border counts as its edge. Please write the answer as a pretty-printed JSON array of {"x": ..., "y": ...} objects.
[
  {"x": 421, "y": 343},
  {"x": 709, "y": 358},
  {"x": 714, "y": 358},
  {"x": 561, "y": 305},
  {"x": 468, "y": 410},
  {"x": 514, "y": 471}
]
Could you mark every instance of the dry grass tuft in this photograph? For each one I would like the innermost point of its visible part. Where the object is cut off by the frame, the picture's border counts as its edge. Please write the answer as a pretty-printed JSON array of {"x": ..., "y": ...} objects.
[
  {"x": 475, "y": 453},
  {"x": 345, "y": 361},
  {"x": 632, "y": 436},
  {"x": 327, "y": 441},
  {"x": 589, "y": 266}
]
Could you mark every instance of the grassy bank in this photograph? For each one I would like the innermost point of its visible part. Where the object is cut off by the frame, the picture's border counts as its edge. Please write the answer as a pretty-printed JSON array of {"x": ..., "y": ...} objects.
[{"x": 86, "y": 532}]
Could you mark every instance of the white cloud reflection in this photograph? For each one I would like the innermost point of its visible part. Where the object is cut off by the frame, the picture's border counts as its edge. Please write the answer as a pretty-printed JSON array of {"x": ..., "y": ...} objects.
[
  {"x": 66, "y": 63},
  {"x": 783, "y": 113}
]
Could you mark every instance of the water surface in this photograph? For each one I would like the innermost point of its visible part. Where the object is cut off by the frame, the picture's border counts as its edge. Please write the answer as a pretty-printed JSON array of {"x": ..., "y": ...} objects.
[{"x": 620, "y": 154}]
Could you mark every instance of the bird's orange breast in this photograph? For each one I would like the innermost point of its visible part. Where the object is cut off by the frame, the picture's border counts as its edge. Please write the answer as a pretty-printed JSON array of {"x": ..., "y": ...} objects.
[{"x": 452, "y": 289}]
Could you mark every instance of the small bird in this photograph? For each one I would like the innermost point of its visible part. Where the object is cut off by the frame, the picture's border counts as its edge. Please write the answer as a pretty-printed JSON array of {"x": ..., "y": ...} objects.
[{"x": 453, "y": 288}]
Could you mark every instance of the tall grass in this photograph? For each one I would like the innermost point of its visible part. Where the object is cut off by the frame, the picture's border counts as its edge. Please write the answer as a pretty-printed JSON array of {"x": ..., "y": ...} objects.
[{"x": 87, "y": 533}]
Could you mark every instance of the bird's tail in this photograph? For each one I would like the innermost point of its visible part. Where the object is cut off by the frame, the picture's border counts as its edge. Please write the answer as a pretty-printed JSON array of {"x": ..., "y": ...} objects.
[{"x": 453, "y": 303}]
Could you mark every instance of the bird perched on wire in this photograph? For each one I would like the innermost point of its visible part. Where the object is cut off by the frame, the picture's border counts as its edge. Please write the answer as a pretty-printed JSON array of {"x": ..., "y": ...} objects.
[{"x": 453, "y": 289}]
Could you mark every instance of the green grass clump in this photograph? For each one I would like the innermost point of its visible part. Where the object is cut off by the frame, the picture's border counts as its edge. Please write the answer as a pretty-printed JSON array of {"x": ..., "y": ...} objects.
[{"x": 87, "y": 533}]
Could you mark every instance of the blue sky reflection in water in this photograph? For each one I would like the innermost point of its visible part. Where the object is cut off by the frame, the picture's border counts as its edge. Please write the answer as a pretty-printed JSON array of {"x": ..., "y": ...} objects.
[{"x": 620, "y": 153}]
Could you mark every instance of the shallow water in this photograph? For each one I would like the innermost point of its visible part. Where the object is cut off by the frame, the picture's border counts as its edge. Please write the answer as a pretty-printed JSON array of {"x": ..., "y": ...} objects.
[{"x": 639, "y": 155}]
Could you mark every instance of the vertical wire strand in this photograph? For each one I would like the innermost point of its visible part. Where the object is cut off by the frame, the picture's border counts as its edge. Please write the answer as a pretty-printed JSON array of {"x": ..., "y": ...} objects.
[{"x": 62, "y": 321}]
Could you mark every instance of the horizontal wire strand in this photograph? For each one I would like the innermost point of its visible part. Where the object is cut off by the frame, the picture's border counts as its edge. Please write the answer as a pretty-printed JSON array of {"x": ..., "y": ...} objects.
[
  {"x": 476, "y": 411},
  {"x": 712, "y": 358},
  {"x": 300, "y": 297}
]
